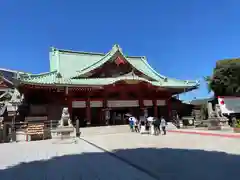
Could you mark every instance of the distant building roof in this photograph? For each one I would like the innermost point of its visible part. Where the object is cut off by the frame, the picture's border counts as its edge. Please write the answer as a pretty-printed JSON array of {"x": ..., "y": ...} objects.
[{"x": 198, "y": 102}]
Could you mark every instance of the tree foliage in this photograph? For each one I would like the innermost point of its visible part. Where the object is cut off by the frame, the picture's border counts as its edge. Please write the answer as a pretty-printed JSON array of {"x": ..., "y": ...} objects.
[{"x": 225, "y": 80}]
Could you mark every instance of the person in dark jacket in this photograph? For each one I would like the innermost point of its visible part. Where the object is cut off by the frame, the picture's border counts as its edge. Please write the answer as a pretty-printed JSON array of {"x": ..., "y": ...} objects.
[
  {"x": 163, "y": 125},
  {"x": 156, "y": 124}
]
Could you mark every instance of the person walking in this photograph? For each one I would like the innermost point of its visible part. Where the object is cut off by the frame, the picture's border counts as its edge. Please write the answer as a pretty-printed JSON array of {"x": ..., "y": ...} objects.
[
  {"x": 156, "y": 124},
  {"x": 151, "y": 120},
  {"x": 163, "y": 125},
  {"x": 136, "y": 124},
  {"x": 131, "y": 123}
]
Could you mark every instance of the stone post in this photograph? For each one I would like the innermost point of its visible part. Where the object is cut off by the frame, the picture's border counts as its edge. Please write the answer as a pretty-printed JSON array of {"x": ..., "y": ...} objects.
[
  {"x": 88, "y": 112},
  {"x": 5, "y": 135},
  {"x": 13, "y": 130},
  {"x": 77, "y": 128},
  {"x": 210, "y": 109}
]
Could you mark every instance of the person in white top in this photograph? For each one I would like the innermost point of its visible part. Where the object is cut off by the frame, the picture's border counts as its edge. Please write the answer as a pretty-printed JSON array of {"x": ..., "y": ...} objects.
[
  {"x": 150, "y": 120},
  {"x": 136, "y": 123},
  {"x": 163, "y": 125}
]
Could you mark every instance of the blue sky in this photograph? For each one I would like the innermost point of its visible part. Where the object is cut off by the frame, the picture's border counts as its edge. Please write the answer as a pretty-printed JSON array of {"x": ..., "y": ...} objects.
[{"x": 181, "y": 38}]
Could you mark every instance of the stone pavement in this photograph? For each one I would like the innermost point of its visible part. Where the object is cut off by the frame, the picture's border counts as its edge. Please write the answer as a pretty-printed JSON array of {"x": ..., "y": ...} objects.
[
  {"x": 113, "y": 142},
  {"x": 176, "y": 156},
  {"x": 125, "y": 129},
  {"x": 91, "y": 131},
  {"x": 44, "y": 160}
]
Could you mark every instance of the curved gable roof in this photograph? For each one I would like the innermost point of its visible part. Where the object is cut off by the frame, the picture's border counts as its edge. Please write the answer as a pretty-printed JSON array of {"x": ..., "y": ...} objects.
[{"x": 74, "y": 64}]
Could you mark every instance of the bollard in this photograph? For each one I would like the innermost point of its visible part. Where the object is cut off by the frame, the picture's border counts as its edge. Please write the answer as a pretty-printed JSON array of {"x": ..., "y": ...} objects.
[
  {"x": 77, "y": 128},
  {"x": 1, "y": 135},
  {"x": 13, "y": 133},
  {"x": 5, "y": 135}
]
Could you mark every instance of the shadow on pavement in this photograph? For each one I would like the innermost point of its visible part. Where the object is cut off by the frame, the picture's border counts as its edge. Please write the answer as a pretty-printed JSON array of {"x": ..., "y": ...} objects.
[{"x": 167, "y": 164}]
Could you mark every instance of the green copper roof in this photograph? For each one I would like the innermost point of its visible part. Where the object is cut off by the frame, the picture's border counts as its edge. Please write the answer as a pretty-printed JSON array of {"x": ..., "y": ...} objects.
[
  {"x": 55, "y": 78},
  {"x": 71, "y": 64},
  {"x": 66, "y": 65}
]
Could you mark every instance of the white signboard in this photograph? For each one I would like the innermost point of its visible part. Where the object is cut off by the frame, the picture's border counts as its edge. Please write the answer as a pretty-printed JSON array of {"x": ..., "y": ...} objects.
[
  {"x": 161, "y": 102},
  {"x": 96, "y": 104},
  {"x": 79, "y": 104},
  {"x": 148, "y": 102},
  {"x": 123, "y": 103}
]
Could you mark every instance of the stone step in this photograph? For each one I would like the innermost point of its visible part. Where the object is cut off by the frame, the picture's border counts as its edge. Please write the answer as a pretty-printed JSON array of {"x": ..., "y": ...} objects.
[{"x": 171, "y": 126}]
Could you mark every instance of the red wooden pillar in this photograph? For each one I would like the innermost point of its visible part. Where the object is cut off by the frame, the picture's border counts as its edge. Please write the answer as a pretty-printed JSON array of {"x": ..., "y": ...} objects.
[
  {"x": 141, "y": 105},
  {"x": 140, "y": 100},
  {"x": 68, "y": 101},
  {"x": 155, "y": 108},
  {"x": 169, "y": 106},
  {"x": 104, "y": 120},
  {"x": 88, "y": 111}
]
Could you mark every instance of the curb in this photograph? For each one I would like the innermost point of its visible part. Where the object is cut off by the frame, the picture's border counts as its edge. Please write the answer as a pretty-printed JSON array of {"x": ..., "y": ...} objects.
[{"x": 206, "y": 133}]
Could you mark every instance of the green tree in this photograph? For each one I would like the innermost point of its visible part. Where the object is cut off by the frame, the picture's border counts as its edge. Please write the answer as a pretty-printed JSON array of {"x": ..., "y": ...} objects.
[{"x": 225, "y": 80}]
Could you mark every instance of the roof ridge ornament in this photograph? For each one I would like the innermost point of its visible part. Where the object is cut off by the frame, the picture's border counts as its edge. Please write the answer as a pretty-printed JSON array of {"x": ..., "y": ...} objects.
[
  {"x": 119, "y": 61},
  {"x": 117, "y": 47},
  {"x": 18, "y": 75},
  {"x": 58, "y": 75},
  {"x": 197, "y": 82},
  {"x": 53, "y": 49}
]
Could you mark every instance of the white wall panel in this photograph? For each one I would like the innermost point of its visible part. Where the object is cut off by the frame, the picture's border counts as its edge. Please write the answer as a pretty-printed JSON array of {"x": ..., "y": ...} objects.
[
  {"x": 96, "y": 104},
  {"x": 79, "y": 104},
  {"x": 161, "y": 102},
  {"x": 123, "y": 103},
  {"x": 148, "y": 102}
]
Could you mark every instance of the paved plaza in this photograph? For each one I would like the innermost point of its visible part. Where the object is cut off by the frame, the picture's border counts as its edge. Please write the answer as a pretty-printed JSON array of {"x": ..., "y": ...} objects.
[{"x": 132, "y": 156}]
